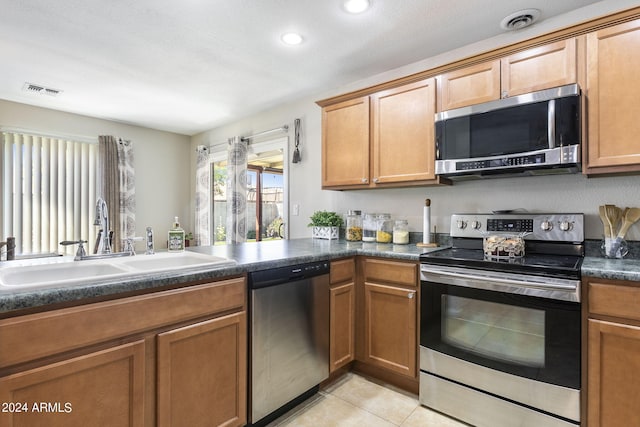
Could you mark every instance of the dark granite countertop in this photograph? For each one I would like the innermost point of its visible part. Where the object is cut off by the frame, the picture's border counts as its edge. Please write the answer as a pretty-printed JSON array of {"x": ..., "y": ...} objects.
[
  {"x": 248, "y": 256},
  {"x": 258, "y": 256},
  {"x": 604, "y": 268}
]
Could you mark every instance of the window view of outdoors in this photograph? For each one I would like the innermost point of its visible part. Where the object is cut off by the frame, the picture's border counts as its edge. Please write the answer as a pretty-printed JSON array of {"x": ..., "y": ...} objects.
[{"x": 265, "y": 198}]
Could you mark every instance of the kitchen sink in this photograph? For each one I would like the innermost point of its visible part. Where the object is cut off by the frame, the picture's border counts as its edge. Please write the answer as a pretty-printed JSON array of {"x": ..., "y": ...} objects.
[
  {"x": 171, "y": 261},
  {"x": 42, "y": 273},
  {"x": 59, "y": 273}
]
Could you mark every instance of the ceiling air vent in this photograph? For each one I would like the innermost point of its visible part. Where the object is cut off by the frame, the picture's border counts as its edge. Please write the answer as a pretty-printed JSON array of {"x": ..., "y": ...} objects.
[
  {"x": 40, "y": 90},
  {"x": 520, "y": 19}
]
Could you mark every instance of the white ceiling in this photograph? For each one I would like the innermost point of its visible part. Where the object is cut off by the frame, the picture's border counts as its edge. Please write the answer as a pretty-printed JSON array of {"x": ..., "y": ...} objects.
[{"x": 191, "y": 65}]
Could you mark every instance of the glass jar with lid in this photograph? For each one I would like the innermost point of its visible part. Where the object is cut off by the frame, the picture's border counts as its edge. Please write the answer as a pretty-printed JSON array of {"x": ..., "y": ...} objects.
[
  {"x": 384, "y": 231},
  {"x": 369, "y": 227},
  {"x": 401, "y": 232},
  {"x": 354, "y": 226}
]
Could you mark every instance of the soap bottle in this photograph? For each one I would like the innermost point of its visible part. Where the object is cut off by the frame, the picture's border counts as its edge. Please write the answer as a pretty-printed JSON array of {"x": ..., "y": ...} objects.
[{"x": 176, "y": 237}]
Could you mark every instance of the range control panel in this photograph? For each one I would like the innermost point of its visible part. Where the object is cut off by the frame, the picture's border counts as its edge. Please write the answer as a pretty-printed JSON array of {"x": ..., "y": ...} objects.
[{"x": 549, "y": 227}]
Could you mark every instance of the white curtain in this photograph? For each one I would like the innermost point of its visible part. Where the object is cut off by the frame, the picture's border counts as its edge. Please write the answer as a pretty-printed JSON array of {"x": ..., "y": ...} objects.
[
  {"x": 126, "y": 172},
  {"x": 237, "y": 191},
  {"x": 203, "y": 198},
  {"x": 48, "y": 191},
  {"x": 117, "y": 187}
]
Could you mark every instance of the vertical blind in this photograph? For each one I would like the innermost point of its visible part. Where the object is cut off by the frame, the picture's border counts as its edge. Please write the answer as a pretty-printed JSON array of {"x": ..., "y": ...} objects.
[{"x": 48, "y": 191}]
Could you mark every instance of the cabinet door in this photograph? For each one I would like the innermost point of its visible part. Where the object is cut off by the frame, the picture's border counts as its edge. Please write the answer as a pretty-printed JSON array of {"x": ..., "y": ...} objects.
[
  {"x": 105, "y": 388},
  {"x": 390, "y": 339},
  {"x": 469, "y": 85},
  {"x": 613, "y": 374},
  {"x": 613, "y": 91},
  {"x": 202, "y": 373},
  {"x": 403, "y": 133},
  {"x": 342, "y": 325},
  {"x": 345, "y": 143},
  {"x": 540, "y": 68}
]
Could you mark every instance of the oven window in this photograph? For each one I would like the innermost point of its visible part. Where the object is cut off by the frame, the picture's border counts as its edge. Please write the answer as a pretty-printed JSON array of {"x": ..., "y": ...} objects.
[{"x": 501, "y": 332}]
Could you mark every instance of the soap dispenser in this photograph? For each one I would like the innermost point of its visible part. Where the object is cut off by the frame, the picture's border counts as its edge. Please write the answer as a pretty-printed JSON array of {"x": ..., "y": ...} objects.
[{"x": 176, "y": 237}]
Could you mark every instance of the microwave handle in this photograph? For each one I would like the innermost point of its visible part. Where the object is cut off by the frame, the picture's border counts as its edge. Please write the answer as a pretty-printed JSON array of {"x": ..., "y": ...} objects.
[{"x": 551, "y": 123}]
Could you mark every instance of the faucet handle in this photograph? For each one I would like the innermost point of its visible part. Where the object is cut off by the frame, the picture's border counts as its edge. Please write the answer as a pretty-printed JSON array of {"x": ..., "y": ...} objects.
[
  {"x": 128, "y": 244},
  {"x": 81, "y": 252}
]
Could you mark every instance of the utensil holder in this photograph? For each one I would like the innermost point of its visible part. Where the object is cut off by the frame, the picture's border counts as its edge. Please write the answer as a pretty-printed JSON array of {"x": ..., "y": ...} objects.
[{"x": 614, "y": 247}]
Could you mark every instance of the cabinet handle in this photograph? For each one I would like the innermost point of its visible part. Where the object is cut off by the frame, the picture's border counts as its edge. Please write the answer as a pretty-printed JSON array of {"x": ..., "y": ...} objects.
[
  {"x": 375, "y": 179},
  {"x": 365, "y": 180},
  {"x": 410, "y": 295},
  {"x": 505, "y": 94}
]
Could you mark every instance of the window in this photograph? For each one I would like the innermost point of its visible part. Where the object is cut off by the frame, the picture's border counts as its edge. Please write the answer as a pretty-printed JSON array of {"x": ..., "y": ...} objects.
[
  {"x": 48, "y": 191},
  {"x": 266, "y": 192}
]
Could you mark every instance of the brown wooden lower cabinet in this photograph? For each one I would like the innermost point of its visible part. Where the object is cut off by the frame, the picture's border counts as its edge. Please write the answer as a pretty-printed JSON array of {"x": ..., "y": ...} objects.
[
  {"x": 342, "y": 325},
  {"x": 104, "y": 388},
  {"x": 170, "y": 358},
  {"x": 202, "y": 373},
  {"x": 390, "y": 339},
  {"x": 613, "y": 353}
]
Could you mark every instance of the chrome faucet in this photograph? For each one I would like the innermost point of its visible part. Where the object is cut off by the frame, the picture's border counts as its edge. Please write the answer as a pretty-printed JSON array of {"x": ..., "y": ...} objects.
[
  {"x": 103, "y": 243},
  {"x": 11, "y": 248},
  {"x": 149, "y": 250}
]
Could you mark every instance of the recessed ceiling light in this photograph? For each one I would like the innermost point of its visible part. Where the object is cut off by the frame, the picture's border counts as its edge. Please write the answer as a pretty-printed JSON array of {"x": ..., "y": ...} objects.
[
  {"x": 356, "y": 6},
  {"x": 291, "y": 38}
]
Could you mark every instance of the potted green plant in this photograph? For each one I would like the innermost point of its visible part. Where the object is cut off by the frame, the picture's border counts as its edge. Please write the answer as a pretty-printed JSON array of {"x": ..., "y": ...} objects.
[{"x": 325, "y": 225}]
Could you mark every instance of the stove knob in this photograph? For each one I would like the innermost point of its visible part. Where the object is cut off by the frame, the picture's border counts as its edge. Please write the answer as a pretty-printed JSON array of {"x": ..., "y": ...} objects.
[
  {"x": 462, "y": 224},
  {"x": 566, "y": 226},
  {"x": 546, "y": 225},
  {"x": 476, "y": 225}
]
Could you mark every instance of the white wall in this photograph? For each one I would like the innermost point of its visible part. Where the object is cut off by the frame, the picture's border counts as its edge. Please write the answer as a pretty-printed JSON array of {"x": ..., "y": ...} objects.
[
  {"x": 161, "y": 161},
  {"x": 567, "y": 193}
]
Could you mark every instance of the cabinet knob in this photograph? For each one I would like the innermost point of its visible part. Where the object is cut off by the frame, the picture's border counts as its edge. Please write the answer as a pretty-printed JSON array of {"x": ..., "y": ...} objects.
[
  {"x": 410, "y": 295},
  {"x": 365, "y": 180},
  {"x": 375, "y": 179}
]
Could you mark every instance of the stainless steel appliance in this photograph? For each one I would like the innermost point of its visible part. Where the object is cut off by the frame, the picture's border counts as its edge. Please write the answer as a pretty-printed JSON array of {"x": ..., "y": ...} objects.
[
  {"x": 500, "y": 339},
  {"x": 289, "y": 337},
  {"x": 531, "y": 134}
]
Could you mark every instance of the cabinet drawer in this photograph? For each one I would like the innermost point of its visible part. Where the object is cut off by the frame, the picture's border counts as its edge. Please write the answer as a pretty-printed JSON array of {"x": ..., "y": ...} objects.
[
  {"x": 34, "y": 336},
  {"x": 618, "y": 300},
  {"x": 402, "y": 273},
  {"x": 342, "y": 270}
]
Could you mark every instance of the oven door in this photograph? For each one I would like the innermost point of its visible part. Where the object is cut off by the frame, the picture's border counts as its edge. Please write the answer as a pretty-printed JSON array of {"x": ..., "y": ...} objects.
[{"x": 505, "y": 342}]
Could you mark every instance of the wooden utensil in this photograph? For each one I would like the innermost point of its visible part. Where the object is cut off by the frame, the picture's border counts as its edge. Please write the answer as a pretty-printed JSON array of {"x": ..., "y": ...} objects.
[
  {"x": 605, "y": 221},
  {"x": 614, "y": 214},
  {"x": 630, "y": 217}
]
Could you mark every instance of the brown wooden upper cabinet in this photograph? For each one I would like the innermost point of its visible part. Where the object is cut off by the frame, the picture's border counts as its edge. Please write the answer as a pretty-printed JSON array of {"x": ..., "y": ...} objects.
[
  {"x": 534, "y": 69},
  {"x": 613, "y": 97},
  {"x": 385, "y": 139}
]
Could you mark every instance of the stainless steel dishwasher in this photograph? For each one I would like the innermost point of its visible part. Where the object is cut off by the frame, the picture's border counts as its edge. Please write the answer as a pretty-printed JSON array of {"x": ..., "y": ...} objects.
[{"x": 289, "y": 337}]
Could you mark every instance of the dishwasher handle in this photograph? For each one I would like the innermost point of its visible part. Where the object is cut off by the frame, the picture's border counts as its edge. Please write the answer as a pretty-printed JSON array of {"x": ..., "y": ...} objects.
[{"x": 276, "y": 276}]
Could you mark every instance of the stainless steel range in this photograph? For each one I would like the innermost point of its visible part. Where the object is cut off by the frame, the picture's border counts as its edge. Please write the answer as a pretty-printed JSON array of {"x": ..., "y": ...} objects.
[{"x": 500, "y": 338}]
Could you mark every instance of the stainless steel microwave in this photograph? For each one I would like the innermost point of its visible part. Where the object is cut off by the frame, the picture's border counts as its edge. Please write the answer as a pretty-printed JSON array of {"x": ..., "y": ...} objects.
[{"x": 531, "y": 134}]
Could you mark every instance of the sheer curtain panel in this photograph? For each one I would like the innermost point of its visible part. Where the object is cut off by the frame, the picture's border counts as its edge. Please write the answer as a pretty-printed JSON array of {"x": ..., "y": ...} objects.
[{"x": 48, "y": 191}]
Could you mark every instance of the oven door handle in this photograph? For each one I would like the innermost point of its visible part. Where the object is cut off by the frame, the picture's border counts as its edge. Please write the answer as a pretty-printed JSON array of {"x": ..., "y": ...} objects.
[{"x": 446, "y": 275}]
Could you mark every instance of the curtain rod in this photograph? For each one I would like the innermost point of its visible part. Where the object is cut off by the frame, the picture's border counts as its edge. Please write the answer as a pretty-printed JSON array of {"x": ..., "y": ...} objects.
[{"x": 284, "y": 128}]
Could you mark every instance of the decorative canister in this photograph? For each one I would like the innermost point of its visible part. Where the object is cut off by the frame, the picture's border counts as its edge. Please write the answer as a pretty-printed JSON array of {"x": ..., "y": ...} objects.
[
  {"x": 401, "y": 232},
  {"x": 354, "y": 226},
  {"x": 369, "y": 226},
  {"x": 384, "y": 231}
]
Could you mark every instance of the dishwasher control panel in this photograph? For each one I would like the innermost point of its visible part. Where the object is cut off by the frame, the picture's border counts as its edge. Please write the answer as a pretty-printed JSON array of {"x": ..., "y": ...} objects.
[{"x": 275, "y": 276}]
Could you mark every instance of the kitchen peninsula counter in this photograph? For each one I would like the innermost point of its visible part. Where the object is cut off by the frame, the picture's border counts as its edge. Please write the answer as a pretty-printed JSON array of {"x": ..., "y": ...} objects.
[
  {"x": 252, "y": 257},
  {"x": 248, "y": 257}
]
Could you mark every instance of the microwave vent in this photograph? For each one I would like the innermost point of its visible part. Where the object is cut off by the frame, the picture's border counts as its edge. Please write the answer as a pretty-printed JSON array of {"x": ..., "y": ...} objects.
[
  {"x": 40, "y": 90},
  {"x": 520, "y": 19}
]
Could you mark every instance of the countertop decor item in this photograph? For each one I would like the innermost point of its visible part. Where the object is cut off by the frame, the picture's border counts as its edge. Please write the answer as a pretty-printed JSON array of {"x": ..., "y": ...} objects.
[
  {"x": 325, "y": 225},
  {"x": 426, "y": 226},
  {"x": 616, "y": 223}
]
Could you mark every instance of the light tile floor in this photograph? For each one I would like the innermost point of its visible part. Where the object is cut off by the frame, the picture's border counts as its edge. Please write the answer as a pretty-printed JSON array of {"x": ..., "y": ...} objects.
[{"x": 356, "y": 401}]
